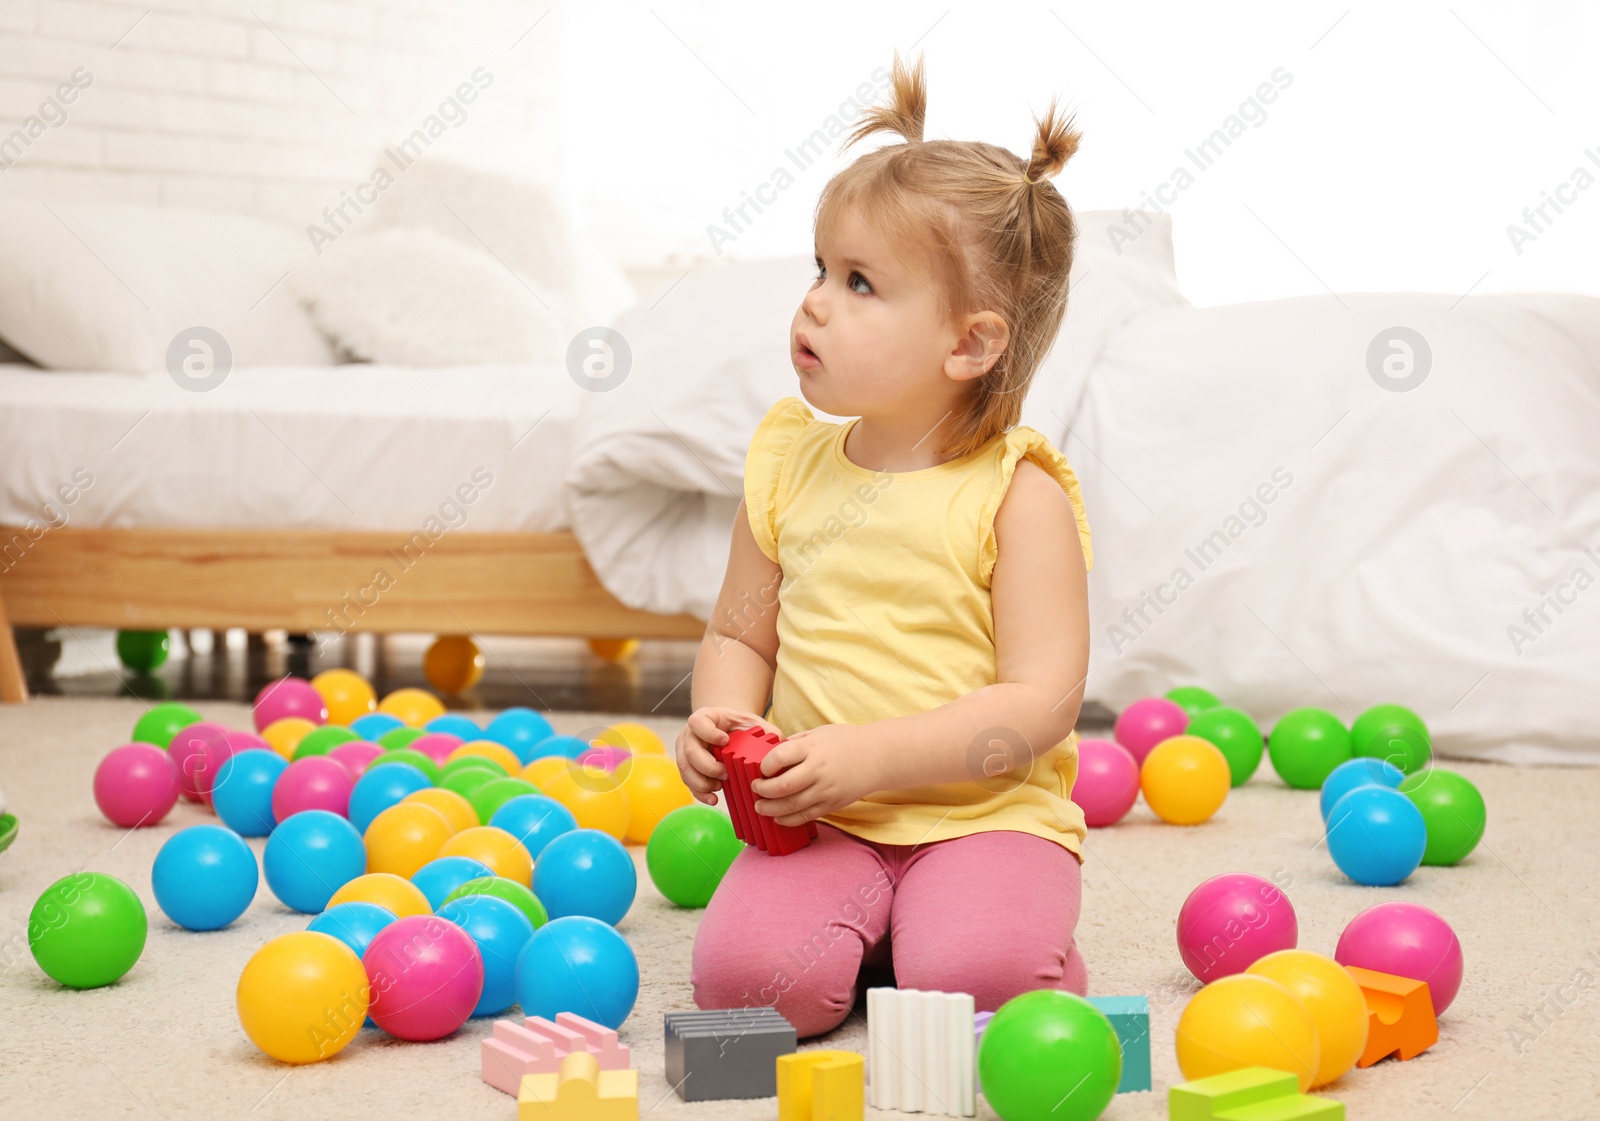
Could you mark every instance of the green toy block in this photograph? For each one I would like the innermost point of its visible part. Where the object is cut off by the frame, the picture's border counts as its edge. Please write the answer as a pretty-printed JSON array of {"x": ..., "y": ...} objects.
[
  {"x": 1251, "y": 1094},
  {"x": 1130, "y": 1016}
]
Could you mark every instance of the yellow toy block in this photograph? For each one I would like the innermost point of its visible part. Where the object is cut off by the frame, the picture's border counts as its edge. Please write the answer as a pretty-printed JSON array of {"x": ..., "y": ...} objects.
[
  {"x": 821, "y": 1086},
  {"x": 581, "y": 1091}
]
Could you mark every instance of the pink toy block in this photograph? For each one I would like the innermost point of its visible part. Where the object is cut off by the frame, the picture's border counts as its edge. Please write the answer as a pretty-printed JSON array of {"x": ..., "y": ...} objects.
[{"x": 537, "y": 1046}]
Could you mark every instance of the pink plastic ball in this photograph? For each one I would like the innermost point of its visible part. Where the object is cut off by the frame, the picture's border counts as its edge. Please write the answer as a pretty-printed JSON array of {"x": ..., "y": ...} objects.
[
  {"x": 355, "y": 756},
  {"x": 290, "y": 696},
  {"x": 198, "y": 751},
  {"x": 245, "y": 741},
  {"x": 436, "y": 746},
  {"x": 1143, "y": 724},
  {"x": 136, "y": 785},
  {"x": 1107, "y": 784},
  {"x": 605, "y": 758},
  {"x": 426, "y": 976},
  {"x": 313, "y": 783},
  {"x": 1230, "y": 922},
  {"x": 1406, "y": 940}
]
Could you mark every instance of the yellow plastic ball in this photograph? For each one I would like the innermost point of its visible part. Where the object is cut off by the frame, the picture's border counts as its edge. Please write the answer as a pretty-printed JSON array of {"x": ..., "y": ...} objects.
[
  {"x": 595, "y": 798},
  {"x": 283, "y": 736},
  {"x": 637, "y": 738},
  {"x": 302, "y": 997},
  {"x": 614, "y": 649},
  {"x": 414, "y": 707},
  {"x": 404, "y": 837},
  {"x": 1335, "y": 1001},
  {"x": 543, "y": 769},
  {"x": 1185, "y": 779},
  {"x": 346, "y": 693},
  {"x": 456, "y": 809},
  {"x": 655, "y": 788},
  {"x": 1247, "y": 1020},
  {"x": 488, "y": 749},
  {"x": 504, "y": 854},
  {"x": 453, "y": 663},
  {"x": 386, "y": 890}
]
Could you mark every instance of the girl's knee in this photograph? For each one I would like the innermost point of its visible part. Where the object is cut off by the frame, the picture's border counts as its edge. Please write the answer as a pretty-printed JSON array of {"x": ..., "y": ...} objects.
[
  {"x": 993, "y": 974},
  {"x": 814, "y": 1001}
]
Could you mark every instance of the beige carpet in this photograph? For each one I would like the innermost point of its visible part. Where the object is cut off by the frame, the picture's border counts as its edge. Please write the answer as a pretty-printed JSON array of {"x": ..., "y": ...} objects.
[{"x": 165, "y": 1041}]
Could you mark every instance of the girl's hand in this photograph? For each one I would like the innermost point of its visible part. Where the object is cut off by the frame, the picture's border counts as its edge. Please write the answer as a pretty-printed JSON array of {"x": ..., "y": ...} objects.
[
  {"x": 829, "y": 767},
  {"x": 709, "y": 727}
]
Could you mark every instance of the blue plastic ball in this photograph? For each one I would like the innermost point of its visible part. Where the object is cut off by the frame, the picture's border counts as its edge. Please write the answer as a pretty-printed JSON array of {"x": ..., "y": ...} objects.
[
  {"x": 519, "y": 729},
  {"x": 375, "y": 724},
  {"x": 242, "y": 792},
  {"x": 534, "y": 820},
  {"x": 438, "y": 878},
  {"x": 204, "y": 877},
  {"x": 1357, "y": 772},
  {"x": 380, "y": 788},
  {"x": 585, "y": 872},
  {"x": 569, "y": 746},
  {"x": 1376, "y": 836},
  {"x": 578, "y": 964},
  {"x": 500, "y": 930},
  {"x": 311, "y": 855},
  {"x": 454, "y": 724}
]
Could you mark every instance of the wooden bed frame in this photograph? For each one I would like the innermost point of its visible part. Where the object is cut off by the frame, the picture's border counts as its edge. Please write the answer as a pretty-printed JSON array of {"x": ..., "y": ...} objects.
[{"x": 462, "y": 583}]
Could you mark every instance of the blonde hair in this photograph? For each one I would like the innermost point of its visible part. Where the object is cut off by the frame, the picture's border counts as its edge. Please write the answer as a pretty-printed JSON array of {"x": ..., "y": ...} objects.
[{"x": 999, "y": 233}]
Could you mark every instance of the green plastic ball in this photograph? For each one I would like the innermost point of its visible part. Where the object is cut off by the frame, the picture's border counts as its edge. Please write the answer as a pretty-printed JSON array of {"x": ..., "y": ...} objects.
[
  {"x": 1235, "y": 735},
  {"x": 1393, "y": 733},
  {"x": 320, "y": 741},
  {"x": 162, "y": 722},
  {"x": 87, "y": 930},
  {"x": 518, "y": 895},
  {"x": 396, "y": 738},
  {"x": 1306, "y": 745},
  {"x": 689, "y": 852},
  {"x": 405, "y": 755},
  {"x": 1453, "y": 811},
  {"x": 1049, "y": 1055},
  {"x": 143, "y": 651},
  {"x": 492, "y": 795},
  {"x": 464, "y": 780},
  {"x": 1193, "y": 700}
]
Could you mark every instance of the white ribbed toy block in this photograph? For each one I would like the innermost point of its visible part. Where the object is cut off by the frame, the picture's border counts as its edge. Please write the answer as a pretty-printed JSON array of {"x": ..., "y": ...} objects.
[
  {"x": 921, "y": 1052},
  {"x": 537, "y": 1046}
]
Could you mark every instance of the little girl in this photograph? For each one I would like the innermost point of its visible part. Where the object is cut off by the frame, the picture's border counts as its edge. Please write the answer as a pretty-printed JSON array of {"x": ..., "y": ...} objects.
[{"x": 910, "y": 588}]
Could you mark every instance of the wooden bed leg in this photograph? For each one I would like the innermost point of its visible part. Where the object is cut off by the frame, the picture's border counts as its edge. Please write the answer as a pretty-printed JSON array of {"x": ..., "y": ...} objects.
[{"x": 13, "y": 685}]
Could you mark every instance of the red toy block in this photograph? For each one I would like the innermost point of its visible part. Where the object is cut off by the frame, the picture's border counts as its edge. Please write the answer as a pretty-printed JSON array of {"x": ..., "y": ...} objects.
[
  {"x": 538, "y": 1046},
  {"x": 1400, "y": 1019},
  {"x": 742, "y": 756}
]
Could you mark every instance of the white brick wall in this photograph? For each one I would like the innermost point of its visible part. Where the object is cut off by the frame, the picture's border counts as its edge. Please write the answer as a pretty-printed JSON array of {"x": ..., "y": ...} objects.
[{"x": 271, "y": 107}]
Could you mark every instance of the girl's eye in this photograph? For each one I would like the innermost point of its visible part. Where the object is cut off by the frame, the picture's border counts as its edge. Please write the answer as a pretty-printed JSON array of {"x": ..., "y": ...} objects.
[{"x": 822, "y": 274}]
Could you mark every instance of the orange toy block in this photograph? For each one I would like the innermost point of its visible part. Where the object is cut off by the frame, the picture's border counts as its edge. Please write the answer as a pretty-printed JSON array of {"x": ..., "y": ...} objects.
[
  {"x": 1400, "y": 1018},
  {"x": 822, "y": 1086},
  {"x": 537, "y": 1046},
  {"x": 581, "y": 1091}
]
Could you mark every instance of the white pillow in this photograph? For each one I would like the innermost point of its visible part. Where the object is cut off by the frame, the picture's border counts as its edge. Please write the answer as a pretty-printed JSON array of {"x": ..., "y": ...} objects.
[
  {"x": 106, "y": 286},
  {"x": 409, "y": 297}
]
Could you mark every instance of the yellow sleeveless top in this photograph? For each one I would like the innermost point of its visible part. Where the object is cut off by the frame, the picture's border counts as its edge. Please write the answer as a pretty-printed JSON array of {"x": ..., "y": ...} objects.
[{"x": 884, "y": 611}]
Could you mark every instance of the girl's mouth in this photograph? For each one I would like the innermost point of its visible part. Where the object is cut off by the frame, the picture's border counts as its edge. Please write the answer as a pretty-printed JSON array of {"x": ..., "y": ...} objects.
[{"x": 805, "y": 357}]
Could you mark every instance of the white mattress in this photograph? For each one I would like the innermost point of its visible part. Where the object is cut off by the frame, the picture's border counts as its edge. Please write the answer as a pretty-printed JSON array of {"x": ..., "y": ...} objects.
[{"x": 345, "y": 447}]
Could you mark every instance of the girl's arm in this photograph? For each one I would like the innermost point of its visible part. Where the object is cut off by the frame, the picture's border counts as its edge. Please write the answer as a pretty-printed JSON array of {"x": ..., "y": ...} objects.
[{"x": 739, "y": 652}]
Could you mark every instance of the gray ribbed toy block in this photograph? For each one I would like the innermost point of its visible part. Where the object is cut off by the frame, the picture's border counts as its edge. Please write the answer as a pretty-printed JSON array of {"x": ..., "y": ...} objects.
[{"x": 726, "y": 1053}]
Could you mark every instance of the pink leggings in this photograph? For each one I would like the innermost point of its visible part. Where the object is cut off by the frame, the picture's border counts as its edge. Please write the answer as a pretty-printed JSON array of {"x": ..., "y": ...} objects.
[{"x": 991, "y": 914}]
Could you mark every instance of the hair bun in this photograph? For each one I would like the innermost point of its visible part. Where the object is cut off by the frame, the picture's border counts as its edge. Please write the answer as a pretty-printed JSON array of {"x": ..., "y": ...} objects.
[{"x": 1056, "y": 143}]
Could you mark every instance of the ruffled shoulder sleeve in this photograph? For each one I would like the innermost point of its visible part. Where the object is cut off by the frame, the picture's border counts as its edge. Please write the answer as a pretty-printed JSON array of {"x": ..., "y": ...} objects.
[
  {"x": 763, "y": 468},
  {"x": 1019, "y": 442}
]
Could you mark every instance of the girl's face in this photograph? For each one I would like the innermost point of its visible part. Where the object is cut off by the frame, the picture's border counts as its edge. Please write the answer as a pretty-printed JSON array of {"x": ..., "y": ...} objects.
[{"x": 873, "y": 334}]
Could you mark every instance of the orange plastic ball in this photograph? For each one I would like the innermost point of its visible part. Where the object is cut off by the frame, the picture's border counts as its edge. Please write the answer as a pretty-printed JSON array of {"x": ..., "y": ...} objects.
[
  {"x": 302, "y": 997},
  {"x": 453, "y": 663},
  {"x": 636, "y": 737},
  {"x": 1247, "y": 1020},
  {"x": 655, "y": 788},
  {"x": 414, "y": 707},
  {"x": 504, "y": 854},
  {"x": 346, "y": 693},
  {"x": 544, "y": 768},
  {"x": 1334, "y": 1000},
  {"x": 614, "y": 649},
  {"x": 1185, "y": 779},
  {"x": 456, "y": 809},
  {"x": 404, "y": 837},
  {"x": 283, "y": 736},
  {"x": 386, "y": 890},
  {"x": 596, "y": 799},
  {"x": 499, "y": 752}
]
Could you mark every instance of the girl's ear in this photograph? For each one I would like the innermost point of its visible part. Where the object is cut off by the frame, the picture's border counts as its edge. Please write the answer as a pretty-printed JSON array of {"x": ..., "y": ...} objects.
[{"x": 983, "y": 339}]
